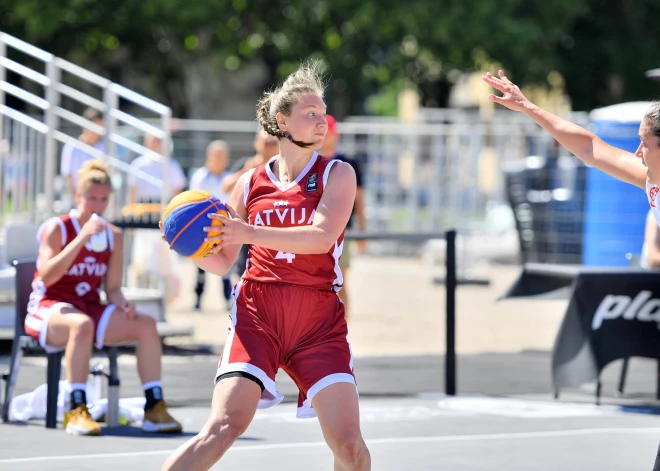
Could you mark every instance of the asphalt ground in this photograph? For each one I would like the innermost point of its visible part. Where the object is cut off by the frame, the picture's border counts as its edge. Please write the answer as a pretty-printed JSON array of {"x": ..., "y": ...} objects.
[{"x": 504, "y": 417}]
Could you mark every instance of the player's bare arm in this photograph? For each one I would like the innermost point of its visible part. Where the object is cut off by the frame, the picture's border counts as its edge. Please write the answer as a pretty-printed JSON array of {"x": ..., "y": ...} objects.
[
  {"x": 585, "y": 145},
  {"x": 113, "y": 278},
  {"x": 330, "y": 219},
  {"x": 221, "y": 262},
  {"x": 54, "y": 261}
]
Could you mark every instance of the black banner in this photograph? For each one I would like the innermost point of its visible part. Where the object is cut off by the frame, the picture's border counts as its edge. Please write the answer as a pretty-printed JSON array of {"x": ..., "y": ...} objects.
[{"x": 610, "y": 316}]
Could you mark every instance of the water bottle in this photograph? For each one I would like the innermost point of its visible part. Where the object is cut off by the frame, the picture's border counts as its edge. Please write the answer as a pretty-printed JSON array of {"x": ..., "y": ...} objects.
[{"x": 99, "y": 242}]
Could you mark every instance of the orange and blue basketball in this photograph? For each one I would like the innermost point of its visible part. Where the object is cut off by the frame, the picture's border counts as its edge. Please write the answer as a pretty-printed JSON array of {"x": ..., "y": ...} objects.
[{"x": 184, "y": 220}]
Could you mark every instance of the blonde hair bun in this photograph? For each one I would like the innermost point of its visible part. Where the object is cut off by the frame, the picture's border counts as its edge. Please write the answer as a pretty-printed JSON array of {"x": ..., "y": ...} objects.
[{"x": 93, "y": 172}]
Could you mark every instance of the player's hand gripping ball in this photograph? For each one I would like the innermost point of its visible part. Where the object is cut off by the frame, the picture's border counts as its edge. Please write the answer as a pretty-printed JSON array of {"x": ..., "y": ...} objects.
[{"x": 184, "y": 219}]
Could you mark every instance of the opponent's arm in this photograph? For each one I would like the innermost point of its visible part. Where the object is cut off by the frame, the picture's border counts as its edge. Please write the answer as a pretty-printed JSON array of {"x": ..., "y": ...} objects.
[{"x": 585, "y": 145}]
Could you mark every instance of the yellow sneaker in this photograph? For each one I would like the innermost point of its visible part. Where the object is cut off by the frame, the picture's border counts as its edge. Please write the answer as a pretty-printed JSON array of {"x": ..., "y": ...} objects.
[
  {"x": 157, "y": 419},
  {"x": 80, "y": 422}
]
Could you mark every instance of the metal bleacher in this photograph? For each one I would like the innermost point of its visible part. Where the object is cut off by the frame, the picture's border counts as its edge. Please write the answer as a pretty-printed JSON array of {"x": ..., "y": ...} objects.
[{"x": 42, "y": 100}]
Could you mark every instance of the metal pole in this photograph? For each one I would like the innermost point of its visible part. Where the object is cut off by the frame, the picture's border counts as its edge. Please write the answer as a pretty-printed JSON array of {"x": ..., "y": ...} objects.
[
  {"x": 111, "y": 102},
  {"x": 657, "y": 391},
  {"x": 53, "y": 372},
  {"x": 3, "y": 53},
  {"x": 3, "y": 122},
  {"x": 167, "y": 146},
  {"x": 450, "y": 287},
  {"x": 51, "y": 120},
  {"x": 19, "y": 164},
  {"x": 166, "y": 152}
]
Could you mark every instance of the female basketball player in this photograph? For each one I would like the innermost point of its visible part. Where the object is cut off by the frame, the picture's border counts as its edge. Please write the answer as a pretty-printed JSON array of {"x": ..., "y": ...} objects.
[
  {"x": 286, "y": 312},
  {"x": 641, "y": 168},
  {"x": 65, "y": 312}
]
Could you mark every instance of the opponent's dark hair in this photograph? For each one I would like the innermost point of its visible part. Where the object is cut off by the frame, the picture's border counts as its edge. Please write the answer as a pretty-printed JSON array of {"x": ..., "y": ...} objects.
[{"x": 652, "y": 117}]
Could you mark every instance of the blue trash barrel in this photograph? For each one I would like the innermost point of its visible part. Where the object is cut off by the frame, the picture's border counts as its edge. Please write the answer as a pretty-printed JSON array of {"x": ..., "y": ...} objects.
[{"x": 615, "y": 212}]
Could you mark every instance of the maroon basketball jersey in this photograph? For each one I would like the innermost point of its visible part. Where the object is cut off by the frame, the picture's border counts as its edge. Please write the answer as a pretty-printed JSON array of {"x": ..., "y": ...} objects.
[
  {"x": 270, "y": 203},
  {"x": 82, "y": 281}
]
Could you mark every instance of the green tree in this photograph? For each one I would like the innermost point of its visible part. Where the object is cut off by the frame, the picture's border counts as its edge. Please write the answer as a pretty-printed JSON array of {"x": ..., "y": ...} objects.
[
  {"x": 606, "y": 53},
  {"x": 601, "y": 47}
]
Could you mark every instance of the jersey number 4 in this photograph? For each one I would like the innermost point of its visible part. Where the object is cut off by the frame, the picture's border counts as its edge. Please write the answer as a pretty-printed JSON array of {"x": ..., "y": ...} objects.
[{"x": 288, "y": 256}]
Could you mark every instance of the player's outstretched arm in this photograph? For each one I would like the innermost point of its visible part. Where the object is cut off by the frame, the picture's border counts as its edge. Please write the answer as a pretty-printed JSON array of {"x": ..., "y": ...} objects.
[
  {"x": 330, "y": 219},
  {"x": 585, "y": 145}
]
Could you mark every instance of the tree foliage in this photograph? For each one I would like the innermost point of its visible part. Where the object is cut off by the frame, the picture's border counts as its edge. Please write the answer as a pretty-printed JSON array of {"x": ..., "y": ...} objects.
[{"x": 601, "y": 47}]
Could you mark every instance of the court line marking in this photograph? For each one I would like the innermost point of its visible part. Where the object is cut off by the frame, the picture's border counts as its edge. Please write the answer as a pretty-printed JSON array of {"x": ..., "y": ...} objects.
[{"x": 373, "y": 441}]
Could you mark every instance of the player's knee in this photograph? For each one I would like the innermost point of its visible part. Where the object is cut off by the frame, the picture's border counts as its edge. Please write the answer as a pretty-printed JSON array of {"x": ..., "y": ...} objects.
[
  {"x": 147, "y": 324},
  {"x": 146, "y": 328},
  {"x": 351, "y": 449},
  {"x": 221, "y": 435},
  {"x": 82, "y": 328}
]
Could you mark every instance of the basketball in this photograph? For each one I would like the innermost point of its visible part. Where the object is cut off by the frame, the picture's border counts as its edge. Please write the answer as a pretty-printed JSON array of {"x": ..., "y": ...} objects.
[{"x": 184, "y": 220}]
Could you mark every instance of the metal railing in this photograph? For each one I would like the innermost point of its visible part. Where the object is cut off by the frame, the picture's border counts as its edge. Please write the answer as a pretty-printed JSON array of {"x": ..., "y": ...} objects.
[
  {"x": 42, "y": 107},
  {"x": 418, "y": 177},
  {"x": 51, "y": 92}
]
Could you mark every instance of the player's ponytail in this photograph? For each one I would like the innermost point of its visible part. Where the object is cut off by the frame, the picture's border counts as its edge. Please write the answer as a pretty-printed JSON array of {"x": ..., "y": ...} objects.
[{"x": 265, "y": 118}]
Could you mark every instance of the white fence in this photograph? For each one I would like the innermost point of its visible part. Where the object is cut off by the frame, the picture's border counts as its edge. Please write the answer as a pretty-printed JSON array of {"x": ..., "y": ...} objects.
[
  {"x": 41, "y": 110},
  {"x": 45, "y": 111},
  {"x": 445, "y": 172}
]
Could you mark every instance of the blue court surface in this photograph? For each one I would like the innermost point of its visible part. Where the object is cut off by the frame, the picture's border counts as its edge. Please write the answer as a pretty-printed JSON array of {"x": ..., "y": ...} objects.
[{"x": 500, "y": 424}]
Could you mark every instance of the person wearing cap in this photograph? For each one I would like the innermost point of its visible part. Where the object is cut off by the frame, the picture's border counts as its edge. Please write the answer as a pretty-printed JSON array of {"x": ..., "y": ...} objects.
[{"x": 330, "y": 151}]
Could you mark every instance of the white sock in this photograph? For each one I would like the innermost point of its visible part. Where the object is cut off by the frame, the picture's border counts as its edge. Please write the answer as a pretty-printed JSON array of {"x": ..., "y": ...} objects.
[
  {"x": 152, "y": 384},
  {"x": 78, "y": 387}
]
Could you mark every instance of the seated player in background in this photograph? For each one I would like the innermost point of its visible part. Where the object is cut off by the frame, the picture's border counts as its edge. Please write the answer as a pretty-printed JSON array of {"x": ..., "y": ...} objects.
[{"x": 65, "y": 310}]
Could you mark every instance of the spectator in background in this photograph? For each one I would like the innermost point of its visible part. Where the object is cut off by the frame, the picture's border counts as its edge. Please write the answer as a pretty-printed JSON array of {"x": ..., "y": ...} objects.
[
  {"x": 265, "y": 146},
  {"x": 209, "y": 178},
  {"x": 149, "y": 261},
  {"x": 73, "y": 157},
  {"x": 7, "y": 171},
  {"x": 144, "y": 192},
  {"x": 329, "y": 150}
]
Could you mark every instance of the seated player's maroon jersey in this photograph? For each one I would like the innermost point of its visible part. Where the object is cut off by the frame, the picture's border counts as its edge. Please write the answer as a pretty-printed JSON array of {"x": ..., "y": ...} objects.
[
  {"x": 83, "y": 279},
  {"x": 270, "y": 203}
]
